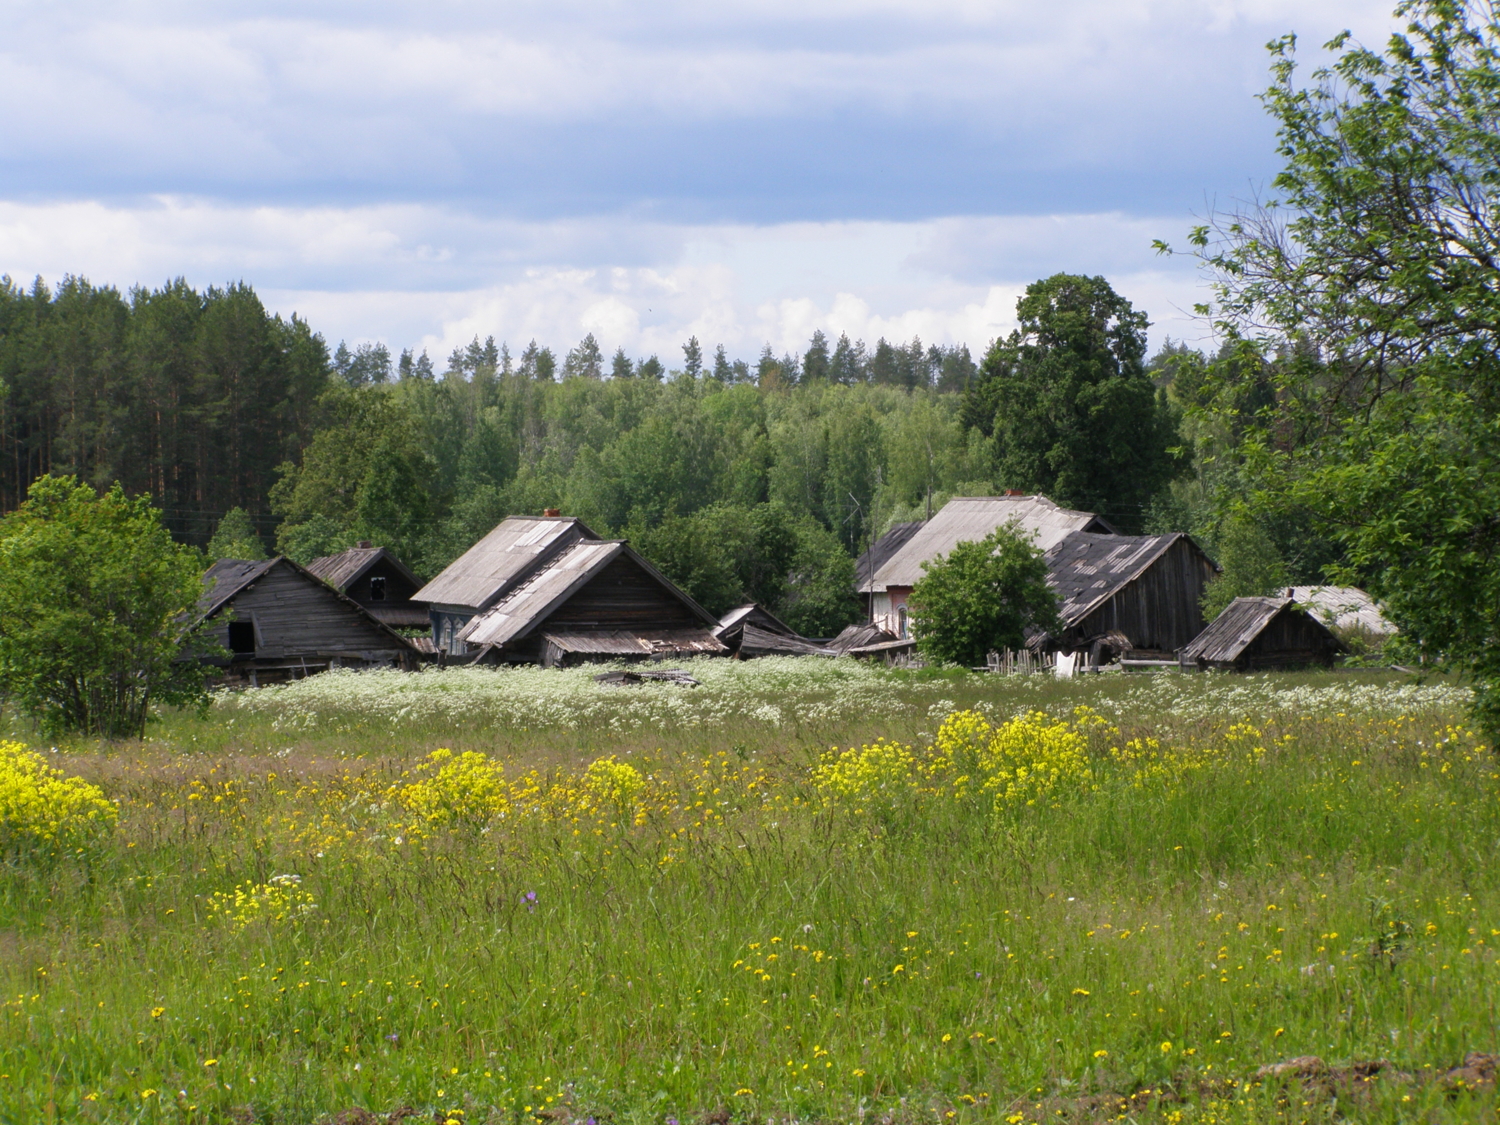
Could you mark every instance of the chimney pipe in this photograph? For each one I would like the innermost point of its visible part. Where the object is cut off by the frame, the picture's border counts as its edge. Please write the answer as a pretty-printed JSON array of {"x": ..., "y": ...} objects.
[{"x": 551, "y": 512}]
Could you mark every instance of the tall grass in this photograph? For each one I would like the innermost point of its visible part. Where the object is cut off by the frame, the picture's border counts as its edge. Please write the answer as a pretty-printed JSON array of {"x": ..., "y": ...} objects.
[{"x": 1245, "y": 870}]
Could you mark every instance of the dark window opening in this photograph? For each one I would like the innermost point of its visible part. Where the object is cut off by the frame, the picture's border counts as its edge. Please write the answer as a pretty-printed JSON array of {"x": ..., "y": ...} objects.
[
  {"x": 377, "y": 588},
  {"x": 242, "y": 638}
]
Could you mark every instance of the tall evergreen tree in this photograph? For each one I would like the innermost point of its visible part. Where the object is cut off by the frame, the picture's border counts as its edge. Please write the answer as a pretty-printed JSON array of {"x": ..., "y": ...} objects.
[{"x": 1069, "y": 406}]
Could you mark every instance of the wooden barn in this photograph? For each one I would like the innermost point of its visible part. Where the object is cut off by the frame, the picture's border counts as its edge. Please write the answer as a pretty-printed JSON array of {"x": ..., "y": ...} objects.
[
  {"x": 281, "y": 622},
  {"x": 964, "y": 519},
  {"x": 377, "y": 580},
  {"x": 517, "y": 549},
  {"x": 1261, "y": 634},
  {"x": 596, "y": 600},
  {"x": 1132, "y": 595}
]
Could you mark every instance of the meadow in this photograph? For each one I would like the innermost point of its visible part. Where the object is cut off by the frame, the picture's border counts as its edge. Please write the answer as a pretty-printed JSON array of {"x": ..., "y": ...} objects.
[{"x": 803, "y": 891}]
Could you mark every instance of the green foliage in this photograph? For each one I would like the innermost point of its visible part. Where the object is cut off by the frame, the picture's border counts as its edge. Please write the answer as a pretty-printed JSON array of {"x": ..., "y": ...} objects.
[
  {"x": 1369, "y": 294},
  {"x": 235, "y": 538},
  {"x": 1250, "y": 565},
  {"x": 190, "y": 397},
  {"x": 1069, "y": 406},
  {"x": 727, "y": 555},
  {"x": 365, "y": 474},
  {"x": 94, "y": 600},
  {"x": 982, "y": 597}
]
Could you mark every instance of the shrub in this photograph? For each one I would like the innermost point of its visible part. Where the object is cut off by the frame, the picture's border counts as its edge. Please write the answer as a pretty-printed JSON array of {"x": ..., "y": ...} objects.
[
  {"x": 467, "y": 789},
  {"x": 41, "y": 806}
]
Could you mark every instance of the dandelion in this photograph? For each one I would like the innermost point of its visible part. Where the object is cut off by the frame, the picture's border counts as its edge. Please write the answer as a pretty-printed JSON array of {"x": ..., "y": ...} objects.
[
  {"x": 1101, "y": 1054},
  {"x": 156, "y": 1013},
  {"x": 1166, "y": 1046}
]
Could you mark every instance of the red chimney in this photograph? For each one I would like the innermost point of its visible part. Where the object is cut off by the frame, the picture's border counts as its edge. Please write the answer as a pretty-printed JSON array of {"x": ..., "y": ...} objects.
[
  {"x": 1014, "y": 492},
  {"x": 551, "y": 512}
]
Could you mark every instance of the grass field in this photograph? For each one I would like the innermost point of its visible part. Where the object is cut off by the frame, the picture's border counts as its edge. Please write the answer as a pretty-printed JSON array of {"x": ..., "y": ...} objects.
[{"x": 521, "y": 896}]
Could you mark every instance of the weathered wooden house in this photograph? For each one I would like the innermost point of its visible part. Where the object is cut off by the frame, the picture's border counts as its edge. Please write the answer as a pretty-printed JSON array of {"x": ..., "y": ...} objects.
[
  {"x": 280, "y": 622},
  {"x": 378, "y": 580},
  {"x": 1127, "y": 595},
  {"x": 1260, "y": 634},
  {"x": 490, "y": 570},
  {"x": 961, "y": 520},
  {"x": 595, "y": 600}
]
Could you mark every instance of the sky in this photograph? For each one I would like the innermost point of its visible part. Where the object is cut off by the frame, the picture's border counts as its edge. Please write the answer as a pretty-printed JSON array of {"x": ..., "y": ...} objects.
[{"x": 745, "y": 171}]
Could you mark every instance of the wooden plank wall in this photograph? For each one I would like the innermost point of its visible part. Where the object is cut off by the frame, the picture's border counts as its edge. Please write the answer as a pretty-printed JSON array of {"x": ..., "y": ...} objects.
[
  {"x": 1290, "y": 639},
  {"x": 296, "y": 615},
  {"x": 1160, "y": 610},
  {"x": 398, "y": 590},
  {"x": 624, "y": 596}
]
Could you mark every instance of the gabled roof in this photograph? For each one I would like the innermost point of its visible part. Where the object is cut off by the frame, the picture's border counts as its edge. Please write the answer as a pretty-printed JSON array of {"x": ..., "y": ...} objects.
[
  {"x": 1235, "y": 630},
  {"x": 501, "y": 560},
  {"x": 1086, "y": 570},
  {"x": 229, "y": 577},
  {"x": 1342, "y": 607},
  {"x": 968, "y": 519},
  {"x": 756, "y": 614},
  {"x": 225, "y": 579},
  {"x": 529, "y": 604},
  {"x": 881, "y": 552},
  {"x": 344, "y": 569}
]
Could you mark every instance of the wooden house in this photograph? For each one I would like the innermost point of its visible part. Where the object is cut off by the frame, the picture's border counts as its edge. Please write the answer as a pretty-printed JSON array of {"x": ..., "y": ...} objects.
[
  {"x": 1259, "y": 634},
  {"x": 280, "y": 622},
  {"x": 594, "y": 600},
  {"x": 964, "y": 519},
  {"x": 492, "y": 569},
  {"x": 377, "y": 580},
  {"x": 1127, "y": 595}
]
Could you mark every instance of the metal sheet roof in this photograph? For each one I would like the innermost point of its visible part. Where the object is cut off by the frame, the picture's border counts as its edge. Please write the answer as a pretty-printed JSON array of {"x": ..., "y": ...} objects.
[
  {"x": 501, "y": 560},
  {"x": 526, "y": 605},
  {"x": 1343, "y": 607},
  {"x": 967, "y": 519}
]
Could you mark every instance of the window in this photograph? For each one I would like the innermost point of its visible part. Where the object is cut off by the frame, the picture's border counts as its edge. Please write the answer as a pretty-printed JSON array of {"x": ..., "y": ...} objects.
[
  {"x": 377, "y": 588},
  {"x": 242, "y": 638},
  {"x": 901, "y": 622}
]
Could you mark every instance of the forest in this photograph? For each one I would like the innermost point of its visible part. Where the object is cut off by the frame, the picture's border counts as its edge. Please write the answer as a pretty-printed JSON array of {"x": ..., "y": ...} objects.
[{"x": 743, "y": 481}]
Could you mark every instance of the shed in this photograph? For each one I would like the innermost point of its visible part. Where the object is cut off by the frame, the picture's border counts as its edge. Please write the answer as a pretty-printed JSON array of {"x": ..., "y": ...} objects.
[
  {"x": 1255, "y": 634},
  {"x": 279, "y": 621},
  {"x": 965, "y": 519},
  {"x": 595, "y": 600},
  {"x": 1139, "y": 594},
  {"x": 477, "y": 580},
  {"x": 376, "y": 579}
]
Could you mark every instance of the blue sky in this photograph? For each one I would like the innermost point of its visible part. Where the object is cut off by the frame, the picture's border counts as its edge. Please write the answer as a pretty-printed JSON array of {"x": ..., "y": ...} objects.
[{"x": 745, "y": 171}]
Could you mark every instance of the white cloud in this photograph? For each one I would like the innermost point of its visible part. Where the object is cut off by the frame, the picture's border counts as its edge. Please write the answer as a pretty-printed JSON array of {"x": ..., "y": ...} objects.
[{"x": 437, "y": 277}]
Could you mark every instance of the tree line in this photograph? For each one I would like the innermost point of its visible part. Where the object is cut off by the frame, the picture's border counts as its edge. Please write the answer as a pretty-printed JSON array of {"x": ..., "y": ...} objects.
[{"x": 745, "y": 481}]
